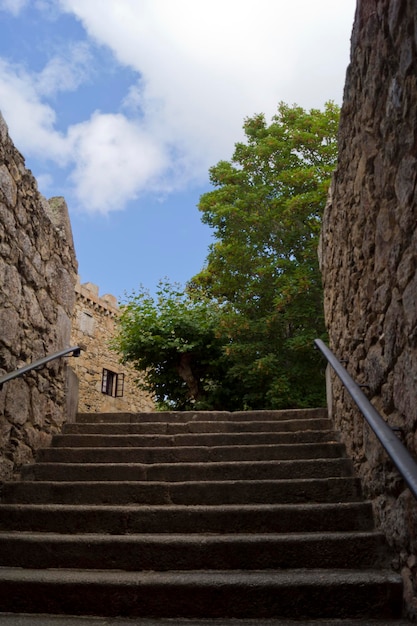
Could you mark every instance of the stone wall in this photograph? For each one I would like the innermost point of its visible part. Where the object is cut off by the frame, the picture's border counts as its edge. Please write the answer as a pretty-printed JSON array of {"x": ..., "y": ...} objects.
[
  {"x": 94, "y": 325},
  {"x": 37, "y": 276},
  {"x": 369, "y": 258}
]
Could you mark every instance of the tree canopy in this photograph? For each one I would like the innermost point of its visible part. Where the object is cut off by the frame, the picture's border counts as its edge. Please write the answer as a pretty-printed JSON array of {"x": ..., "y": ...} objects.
[
  {"x": 174, "y": 341},
  {"x": 265, "y": 211},
  {"x": 256, "y": 306}
]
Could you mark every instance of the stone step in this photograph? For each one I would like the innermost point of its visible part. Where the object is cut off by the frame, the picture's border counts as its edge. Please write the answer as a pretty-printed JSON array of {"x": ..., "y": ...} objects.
[
  {"x": 31, "y": 619},
  {"x": 163, "y": 552},
  {"x": 179, "y": 472},
  {"x": 204, "y": 416},
  {"x": 146, "y": 438},
  {"x": 198, "y": 516},
  {"x": 345, "y": 489},
  {"x": 296, "y": 594},
  {"x": 199, "y": 427},
  {"x": 186, "y": 454},
  {"x": 243, "y": 518}
]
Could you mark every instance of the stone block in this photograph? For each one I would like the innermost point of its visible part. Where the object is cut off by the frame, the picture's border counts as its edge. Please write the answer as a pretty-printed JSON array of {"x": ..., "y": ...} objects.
[{"x": 8, "y": 188}]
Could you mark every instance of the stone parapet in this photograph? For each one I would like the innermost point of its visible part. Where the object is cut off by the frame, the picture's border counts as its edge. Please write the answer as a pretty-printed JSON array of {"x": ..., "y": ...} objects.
[{"x": 90, "y": 294}]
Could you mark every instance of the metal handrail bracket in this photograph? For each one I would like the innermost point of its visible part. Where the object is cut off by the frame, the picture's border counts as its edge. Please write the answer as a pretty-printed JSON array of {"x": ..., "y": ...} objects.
[
  {"x": 395, "y": 449},
  {"x": 73, "y": 351}
]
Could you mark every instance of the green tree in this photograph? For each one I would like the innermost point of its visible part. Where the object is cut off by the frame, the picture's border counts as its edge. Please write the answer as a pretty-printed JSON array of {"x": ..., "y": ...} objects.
[
  {"x": 241, "y": 335},
  {"x": 265, "y": 211},
  {"x": 174, "y": 341}
]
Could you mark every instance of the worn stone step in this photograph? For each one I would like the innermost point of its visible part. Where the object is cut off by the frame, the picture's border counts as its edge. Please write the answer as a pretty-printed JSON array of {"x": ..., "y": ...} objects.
[
  {"x": 177, "y": 472},
  {"x": 186, "y": 454},
  {"x": 209, "y": 492},
  {"x": 162, "y": 552},
  {"x": 202, "y": 439},
  {"x": 242, "y": 518},
  {"x": 32, "y": 619},
  {"x": 204, "y": 416},
  {"x": 296, "y": 594},
  {"x": 199, "y": 427}
]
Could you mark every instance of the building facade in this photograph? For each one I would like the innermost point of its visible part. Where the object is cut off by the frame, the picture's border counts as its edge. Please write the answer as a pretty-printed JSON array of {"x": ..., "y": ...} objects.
[{"x": 104, "y": 384}]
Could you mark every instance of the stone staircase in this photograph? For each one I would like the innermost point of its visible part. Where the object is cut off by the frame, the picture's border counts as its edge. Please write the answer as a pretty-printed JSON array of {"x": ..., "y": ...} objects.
[{"x": 199, "y": 515}]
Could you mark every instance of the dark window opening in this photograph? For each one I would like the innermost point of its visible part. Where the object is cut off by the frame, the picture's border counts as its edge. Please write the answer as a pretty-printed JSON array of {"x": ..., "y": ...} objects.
[{"x": 112, "y": 384}]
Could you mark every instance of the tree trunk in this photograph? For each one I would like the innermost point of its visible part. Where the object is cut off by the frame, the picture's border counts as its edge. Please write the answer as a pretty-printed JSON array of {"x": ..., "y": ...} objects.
[{"x": 186, "y": 373}]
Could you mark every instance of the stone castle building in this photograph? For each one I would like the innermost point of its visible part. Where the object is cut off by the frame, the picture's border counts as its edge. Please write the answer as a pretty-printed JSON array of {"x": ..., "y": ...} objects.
[{"x": 104, "y": 384}]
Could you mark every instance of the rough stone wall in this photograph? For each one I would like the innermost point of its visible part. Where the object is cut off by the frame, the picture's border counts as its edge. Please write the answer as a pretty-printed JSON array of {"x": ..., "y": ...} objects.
[
  {"x": 94, "y": 325},
  {"x": 369, "y": 258},
  {"x": 37, "y": 276}
]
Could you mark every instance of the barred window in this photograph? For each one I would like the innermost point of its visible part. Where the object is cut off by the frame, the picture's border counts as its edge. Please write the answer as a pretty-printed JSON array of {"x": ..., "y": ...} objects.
[{"x": 112, "y": 384}]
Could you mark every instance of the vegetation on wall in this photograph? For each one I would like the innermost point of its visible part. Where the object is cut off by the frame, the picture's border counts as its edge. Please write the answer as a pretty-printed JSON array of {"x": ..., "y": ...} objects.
[{"x": 246, "y": 323}]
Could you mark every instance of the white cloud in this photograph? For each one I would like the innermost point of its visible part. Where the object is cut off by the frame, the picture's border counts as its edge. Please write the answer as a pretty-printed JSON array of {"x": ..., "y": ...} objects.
[
  {"x": 30, "y": 120},
  {"x": 30, "y": 117},
  {"x": 111, "y": 158},
  {"x": 45, "y": 181},
  {"x": 115, "y": 159},
  {"x": 65, "y": 72},
  {"x": 205, "y": 66},
  {"x": 201, "y": 67},
  {"x": 13, "y": 6}
]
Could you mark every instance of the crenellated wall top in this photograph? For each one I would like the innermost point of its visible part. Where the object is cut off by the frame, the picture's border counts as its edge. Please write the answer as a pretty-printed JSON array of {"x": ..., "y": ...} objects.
[{"x": 89, "y": 293}]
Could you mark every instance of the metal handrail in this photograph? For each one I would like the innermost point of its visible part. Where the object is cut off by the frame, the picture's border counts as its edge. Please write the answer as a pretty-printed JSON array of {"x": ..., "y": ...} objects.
[
  {"x": 395, "y": 449},
  {"x": 74, "y": 351}
]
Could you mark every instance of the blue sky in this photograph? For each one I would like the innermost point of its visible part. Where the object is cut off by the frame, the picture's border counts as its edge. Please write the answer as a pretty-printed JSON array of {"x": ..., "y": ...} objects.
[{"x": 121, "y": 106}]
